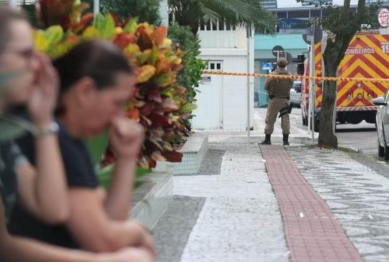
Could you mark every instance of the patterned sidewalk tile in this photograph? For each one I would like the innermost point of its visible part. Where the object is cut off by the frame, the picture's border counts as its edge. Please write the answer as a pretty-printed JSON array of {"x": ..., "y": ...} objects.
[{"x": 312, "y": 232}]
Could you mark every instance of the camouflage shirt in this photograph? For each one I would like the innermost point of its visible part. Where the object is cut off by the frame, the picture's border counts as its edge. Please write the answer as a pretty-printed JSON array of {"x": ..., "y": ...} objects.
[{"x": 10, "y": 159}]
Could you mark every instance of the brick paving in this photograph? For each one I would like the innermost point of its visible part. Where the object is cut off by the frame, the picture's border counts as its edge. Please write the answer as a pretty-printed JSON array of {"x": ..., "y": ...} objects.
[{"x": 312, "y": 232}]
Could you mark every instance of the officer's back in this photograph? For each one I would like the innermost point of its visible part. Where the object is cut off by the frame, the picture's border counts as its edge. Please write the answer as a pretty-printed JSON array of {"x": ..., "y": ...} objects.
[{"x": 279, "y": 87}]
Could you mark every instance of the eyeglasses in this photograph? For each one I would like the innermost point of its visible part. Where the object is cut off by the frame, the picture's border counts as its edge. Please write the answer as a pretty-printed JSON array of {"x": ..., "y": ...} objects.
[{"x": 27, "y": 53}]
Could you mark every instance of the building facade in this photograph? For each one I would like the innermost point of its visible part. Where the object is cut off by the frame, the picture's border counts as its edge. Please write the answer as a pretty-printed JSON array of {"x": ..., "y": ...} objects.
[{"x": 222, "y": 100}]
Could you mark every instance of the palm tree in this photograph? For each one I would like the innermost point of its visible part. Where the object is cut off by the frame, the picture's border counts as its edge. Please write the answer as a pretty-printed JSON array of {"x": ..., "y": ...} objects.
[{"x": 234, "y": 12}]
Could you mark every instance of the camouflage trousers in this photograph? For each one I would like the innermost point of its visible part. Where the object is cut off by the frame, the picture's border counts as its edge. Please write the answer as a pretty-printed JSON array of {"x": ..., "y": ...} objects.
[{"x": 275, "y": 106}]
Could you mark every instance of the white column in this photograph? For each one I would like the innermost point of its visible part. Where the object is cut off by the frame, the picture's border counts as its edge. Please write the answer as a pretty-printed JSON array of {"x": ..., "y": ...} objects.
[
  {"x": 12, "y": 3},
  {"x": 163, "y": 12},
  {"x": 96, "y": 4}
]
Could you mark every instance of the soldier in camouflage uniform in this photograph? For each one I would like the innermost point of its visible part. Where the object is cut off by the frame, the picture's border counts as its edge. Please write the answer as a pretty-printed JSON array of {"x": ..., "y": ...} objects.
[{"x": 279, "y": 94}]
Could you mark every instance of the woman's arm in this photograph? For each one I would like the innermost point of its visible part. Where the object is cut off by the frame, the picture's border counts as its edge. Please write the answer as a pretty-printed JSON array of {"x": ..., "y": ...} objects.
[
  {"x": 126, "y": 137},
  {"x": 27, "y": 250},
  {"x": 94, "y": 231},
  {"x": 43, "y": 191},
  {"x": 119, "y": 197}
]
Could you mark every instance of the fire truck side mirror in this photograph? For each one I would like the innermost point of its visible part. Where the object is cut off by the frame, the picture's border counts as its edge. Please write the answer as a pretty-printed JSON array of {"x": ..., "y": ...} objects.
[
  {"x": 300, "y": 69},
  {"x": 300, "y": 58}
]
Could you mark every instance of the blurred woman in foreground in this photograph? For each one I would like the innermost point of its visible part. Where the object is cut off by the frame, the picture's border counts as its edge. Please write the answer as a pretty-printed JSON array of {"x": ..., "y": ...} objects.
[{"x": 32, "y": 81}]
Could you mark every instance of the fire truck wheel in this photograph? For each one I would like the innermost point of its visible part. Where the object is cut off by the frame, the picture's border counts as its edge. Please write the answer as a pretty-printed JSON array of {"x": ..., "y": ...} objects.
[
  {"x": 381, "y": 150},
  {"x": 386, "y": 153},
  {"x": 317, "y": 125},
  {"x": 305, "y": 120}
]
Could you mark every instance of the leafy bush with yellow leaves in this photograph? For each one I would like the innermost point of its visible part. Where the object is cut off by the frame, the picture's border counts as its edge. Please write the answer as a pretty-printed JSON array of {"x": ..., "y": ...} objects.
[{"x": 158, "y": 102}]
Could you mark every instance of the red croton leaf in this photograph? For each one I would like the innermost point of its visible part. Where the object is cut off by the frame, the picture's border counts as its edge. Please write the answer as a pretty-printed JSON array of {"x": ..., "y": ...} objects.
[
  {"x": 172, "y": 156},
  {"x": 139, "y": 104},
  {"x": 152, "y": 163},
  {"x": 169, "y": 135},
  {"x": 157, "y": 156},
  {"x": 154, "y": 145},
  {"x": 159, "y": 35},
  {"x": 159, "y": 120},
  {"x": 56, "y": 12},
  {"x": 144, "y": 40},
  {"x": 85, "y": 21},
  {"x": 144, "y": 162},
  {"x": 154, "y": 95},
  {"x": 123, "y": 40},
  {"x": 156, "y": 132},
  {"x": 133, "y": 114},
  {"x": 145, "y": 121},
  {"x": 169, "y": 105},
  {"x": 147, "y": 109}
]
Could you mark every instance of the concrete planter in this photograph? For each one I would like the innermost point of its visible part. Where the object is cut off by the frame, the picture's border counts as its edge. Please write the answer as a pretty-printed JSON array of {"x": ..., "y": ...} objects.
[
  {"x": 152, "y": 198},
  {"x": 194, "y": 151}
]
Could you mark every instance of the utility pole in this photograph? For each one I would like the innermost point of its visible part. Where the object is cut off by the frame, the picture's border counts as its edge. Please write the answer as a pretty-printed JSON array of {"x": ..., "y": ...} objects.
[
  {"x": 249, "y": 33},
  {"x": 312, "y": 87}
]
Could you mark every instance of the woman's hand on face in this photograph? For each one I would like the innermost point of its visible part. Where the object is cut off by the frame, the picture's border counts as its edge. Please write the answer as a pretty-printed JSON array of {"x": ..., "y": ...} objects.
[
  {"x": 126, "y": 137},
  {"x": 43, "y": 98}
]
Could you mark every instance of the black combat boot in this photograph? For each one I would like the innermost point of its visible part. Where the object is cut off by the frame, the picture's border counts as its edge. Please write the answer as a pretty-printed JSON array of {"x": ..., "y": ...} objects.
[
  {"x": 267, "y": 140},
  {"x": 286, "y": 138}
]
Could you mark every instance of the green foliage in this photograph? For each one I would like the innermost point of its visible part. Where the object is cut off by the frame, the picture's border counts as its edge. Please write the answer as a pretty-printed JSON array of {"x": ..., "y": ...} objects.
[
  {"x": 105, "y": 25},
  {"x": 146, "y": 10},
  {"x": 97, "y": 147},
  {"x": 233, "y": 12},
  {"x": 190, "y": 76},
  {"x": 29, "y": 10}
]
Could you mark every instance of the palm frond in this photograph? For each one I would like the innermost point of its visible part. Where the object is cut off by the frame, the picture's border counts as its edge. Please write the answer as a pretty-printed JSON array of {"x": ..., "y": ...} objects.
[{"x": 235, "y": 12}]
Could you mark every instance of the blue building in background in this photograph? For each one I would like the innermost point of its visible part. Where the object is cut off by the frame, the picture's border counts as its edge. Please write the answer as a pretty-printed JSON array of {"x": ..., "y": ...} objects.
[{"x": 263, "y": 46}]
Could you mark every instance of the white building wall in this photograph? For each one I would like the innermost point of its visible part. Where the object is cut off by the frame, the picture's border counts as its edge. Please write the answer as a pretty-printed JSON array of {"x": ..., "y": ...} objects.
[
  {"x": 16, "y": 2},
  {"x": 234, "y": 88},
  {"x": 235, "y": 39}
]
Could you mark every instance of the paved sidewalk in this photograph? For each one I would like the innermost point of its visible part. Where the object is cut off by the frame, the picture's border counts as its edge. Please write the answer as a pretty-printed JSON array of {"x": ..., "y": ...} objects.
[
  {"x": 297, "y": 136},
  {"x": 312, "y": 231},
  {"x": 239, "y": 220},
  {"x": 252, "y": 203},
  {"x": 357, "y": 193}
]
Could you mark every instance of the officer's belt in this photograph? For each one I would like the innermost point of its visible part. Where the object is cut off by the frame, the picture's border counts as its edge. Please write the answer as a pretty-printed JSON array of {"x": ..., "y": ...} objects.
[{"x": 273, "y": 96}]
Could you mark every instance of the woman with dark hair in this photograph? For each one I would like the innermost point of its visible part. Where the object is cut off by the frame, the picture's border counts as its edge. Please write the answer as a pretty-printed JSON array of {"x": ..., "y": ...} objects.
[
  {"x": 32, "y": 81},
  {"x": 96, "y": 82}
]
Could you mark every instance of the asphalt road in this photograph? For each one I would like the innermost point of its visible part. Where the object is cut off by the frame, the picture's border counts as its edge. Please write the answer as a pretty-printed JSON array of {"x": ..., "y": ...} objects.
[{"x": 362, "y": 136}]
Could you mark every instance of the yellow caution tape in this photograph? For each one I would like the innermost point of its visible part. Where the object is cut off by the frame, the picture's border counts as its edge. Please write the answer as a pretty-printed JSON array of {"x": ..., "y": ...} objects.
[{"x": 298, "y": 77}]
